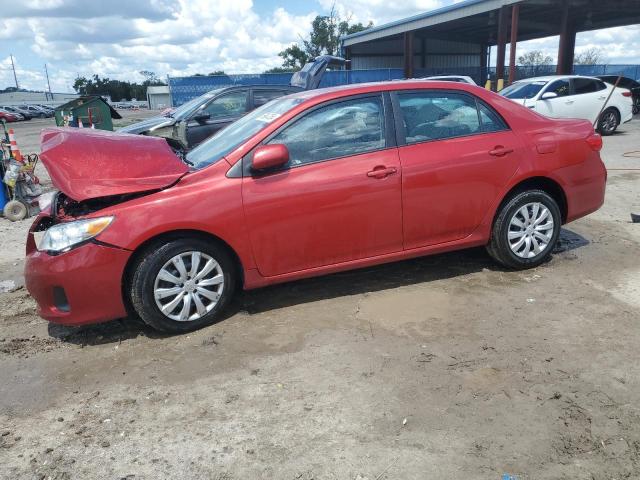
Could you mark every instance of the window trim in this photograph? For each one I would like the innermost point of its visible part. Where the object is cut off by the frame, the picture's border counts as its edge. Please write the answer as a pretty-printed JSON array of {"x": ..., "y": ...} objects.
[
  {"x": 387, "y": 116},
  {"x": 401, "y": 136}
]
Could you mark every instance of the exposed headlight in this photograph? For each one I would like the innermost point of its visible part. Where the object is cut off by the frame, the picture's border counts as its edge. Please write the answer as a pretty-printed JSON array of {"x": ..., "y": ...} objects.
[{"x": 63, "y": 236}]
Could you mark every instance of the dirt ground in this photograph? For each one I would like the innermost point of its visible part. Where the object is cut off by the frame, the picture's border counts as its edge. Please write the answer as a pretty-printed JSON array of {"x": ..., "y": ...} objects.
[{"x": 443, "y": 367}]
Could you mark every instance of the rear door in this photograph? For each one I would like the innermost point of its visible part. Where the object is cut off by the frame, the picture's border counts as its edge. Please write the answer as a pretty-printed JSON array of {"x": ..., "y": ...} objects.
[
  {"x": 457, "y": 153},
  {"x": 337, "y": 200},
  {"x": 589, "y": 95},
  {"x": 217, "y": 114}
]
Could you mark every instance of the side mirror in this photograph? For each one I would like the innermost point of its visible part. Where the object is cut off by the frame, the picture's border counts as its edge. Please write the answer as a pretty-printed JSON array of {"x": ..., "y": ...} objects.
[
  {"x": 270, "y": 156},
  {"x": 202, "y": 116},
  {"x": 548, "y": 95}
]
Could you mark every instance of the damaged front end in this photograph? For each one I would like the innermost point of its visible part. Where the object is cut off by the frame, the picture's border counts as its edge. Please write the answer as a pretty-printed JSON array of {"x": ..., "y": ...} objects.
[
  {"x": 66, "y": 223},
  {"x": 93, "y": 170}
]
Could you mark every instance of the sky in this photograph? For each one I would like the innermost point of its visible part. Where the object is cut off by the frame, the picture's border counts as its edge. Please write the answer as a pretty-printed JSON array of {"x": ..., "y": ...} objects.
[{"x": 119, "y": 38}]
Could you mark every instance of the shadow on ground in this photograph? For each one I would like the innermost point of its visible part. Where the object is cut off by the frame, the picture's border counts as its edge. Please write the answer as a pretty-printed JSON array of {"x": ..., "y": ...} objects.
[{"x": 353, "y": 282}]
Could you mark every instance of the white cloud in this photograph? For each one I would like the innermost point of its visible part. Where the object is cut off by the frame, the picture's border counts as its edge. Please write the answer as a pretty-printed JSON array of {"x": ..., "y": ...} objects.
[{"x": 118, "y": 38}]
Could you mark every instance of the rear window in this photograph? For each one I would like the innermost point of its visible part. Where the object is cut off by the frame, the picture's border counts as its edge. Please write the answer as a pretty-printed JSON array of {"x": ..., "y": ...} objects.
[
  {"x": 434, "y": 115},
  {"x": 584, "y": 85},
  {"x": 260, "y": 97}
]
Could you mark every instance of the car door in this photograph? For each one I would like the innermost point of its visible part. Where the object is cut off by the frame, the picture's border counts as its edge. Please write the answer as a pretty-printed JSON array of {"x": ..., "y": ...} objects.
[
  {"x": 457, "y": 153},
  {"x": 561, "y": 106},
  {"x": 337, "y": 200},
  {"x": 215, "y": 115},
  {"x": 589, "y": 97}
]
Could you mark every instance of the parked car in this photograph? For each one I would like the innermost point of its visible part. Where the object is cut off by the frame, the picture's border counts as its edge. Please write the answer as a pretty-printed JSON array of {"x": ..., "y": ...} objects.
[
  {"x": 573, "y": 96},
  {"x": 9, "y": 116},
  {"x": 36, "y": 111},
  {"x": 625, "y": 82},
  {"x": 46, "y": 108},
  {"x": 15, "y": 110},
  {"x": 452, "y": 78},
  {"x": 308, "y": 184},
  {"x": 188, "y": 125}
]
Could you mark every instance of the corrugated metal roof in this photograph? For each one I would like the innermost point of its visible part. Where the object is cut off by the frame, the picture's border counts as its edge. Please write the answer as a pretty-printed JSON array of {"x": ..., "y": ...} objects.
[{"x": 433, "y": 17}]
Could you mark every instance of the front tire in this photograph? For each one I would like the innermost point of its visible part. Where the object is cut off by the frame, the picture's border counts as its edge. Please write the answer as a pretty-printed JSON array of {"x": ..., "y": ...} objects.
[
  {"x": 526, "y": 230},
  {"x": 608, "y": 122},
  {"x": 182, "y": 285}
]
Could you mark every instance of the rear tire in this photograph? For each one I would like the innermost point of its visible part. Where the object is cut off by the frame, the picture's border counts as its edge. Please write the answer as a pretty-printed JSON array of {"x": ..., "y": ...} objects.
[
  {"x": 608, "y": 122},
  {"x": 176, "y": 289},
  {"x": 525, "y": 230}
]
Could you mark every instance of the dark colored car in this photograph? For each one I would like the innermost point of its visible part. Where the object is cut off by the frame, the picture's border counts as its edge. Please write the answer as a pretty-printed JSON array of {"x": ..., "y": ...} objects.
[
  {"x": 308, "y": 184},
  {"x": 19, "y": 111},
  {"x": 628, "y": 83},
  {"x": 189, "y": 124}
]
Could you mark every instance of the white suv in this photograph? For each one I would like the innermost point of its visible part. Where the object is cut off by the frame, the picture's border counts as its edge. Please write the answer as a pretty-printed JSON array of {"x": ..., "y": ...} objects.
[{"x": 574, "y": 96}]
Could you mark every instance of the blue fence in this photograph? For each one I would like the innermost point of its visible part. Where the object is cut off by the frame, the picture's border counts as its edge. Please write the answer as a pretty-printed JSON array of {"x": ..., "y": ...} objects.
[{"x": 184, "y": 89}]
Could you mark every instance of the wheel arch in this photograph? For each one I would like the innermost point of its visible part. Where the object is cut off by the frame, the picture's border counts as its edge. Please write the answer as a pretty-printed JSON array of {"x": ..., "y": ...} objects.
[
  {"x": 164, "y": 237},
  {"x": 546, "y": 184}
]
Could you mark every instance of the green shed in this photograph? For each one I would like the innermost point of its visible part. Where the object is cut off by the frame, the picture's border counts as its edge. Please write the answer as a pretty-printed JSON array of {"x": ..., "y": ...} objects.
[{"x": 89, "y": 110}]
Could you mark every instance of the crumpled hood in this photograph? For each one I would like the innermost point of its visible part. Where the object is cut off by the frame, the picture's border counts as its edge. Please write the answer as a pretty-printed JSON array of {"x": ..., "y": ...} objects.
[
  {"x": 148, "y": 124},
  {"x": 87, "y": 163}
]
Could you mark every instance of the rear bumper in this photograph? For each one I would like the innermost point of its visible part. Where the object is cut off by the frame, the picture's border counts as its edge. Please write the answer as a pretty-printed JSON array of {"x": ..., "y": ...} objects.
[
  {"x": 585, "y": 186},
  {"x": 78, "y": 287}
]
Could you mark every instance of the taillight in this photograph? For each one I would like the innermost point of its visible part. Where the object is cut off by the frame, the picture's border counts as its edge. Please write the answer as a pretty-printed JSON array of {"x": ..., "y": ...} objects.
[
  {"x": 595, "y": 142},
  {"x": 626, "y": 93}
]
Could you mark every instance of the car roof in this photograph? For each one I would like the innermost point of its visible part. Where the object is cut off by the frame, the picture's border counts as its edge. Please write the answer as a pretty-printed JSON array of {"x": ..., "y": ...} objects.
[{"x": 372, "y": 87}]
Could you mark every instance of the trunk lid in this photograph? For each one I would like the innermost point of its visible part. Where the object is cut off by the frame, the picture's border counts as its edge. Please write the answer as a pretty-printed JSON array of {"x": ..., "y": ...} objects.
[{"x": 87, "y": 163}]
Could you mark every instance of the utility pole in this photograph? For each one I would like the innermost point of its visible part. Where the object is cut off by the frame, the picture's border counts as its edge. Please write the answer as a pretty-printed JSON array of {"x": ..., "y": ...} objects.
[
  {"x": 14, "y": 71},
  {"x": 48, "y": 83}
]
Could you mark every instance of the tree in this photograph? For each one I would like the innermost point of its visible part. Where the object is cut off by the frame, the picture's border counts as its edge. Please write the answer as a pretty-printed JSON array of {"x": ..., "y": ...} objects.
[
  {"x": 534, "y": 58},
  {"x": 117, "y": 89},
  {"x": 592, "y": 56},
  {"x": 280, "y": 70},
  {"x": 324, "y": 39}
]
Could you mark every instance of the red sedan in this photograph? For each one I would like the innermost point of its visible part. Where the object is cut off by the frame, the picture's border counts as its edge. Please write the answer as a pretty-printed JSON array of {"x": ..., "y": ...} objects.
[{"x": 308, "y": 184}]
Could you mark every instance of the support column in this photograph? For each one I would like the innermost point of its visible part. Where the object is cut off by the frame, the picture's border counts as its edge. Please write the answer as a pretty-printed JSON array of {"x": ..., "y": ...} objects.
[
  {"x": 408, "y": 55},
  {"x": 502, "y": 46},
  {"x": 567, "y": 44},
  {"x": 347, "y": 57},
  {"x": 483, "y": 65},
  {"x": 515, "y": 13},
  {"x": 423, "y": 52}
]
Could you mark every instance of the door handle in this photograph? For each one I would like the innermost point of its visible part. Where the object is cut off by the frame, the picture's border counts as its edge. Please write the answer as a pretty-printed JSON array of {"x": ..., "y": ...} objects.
[
  {"x": 568, "y": 102},
  {"x": 381, "y": 172},
  {"x": 500, "y": 151}
]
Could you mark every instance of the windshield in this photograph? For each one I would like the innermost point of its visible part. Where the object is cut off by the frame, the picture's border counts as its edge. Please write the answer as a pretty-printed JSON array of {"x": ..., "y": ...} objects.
[
  {"x": 186, "y": 109},
  {"x": 523, "y": 89},
  {"x": 230, "y": 138}
]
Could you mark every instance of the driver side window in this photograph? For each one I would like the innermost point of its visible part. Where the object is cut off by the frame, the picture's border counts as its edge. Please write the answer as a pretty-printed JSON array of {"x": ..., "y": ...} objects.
[
  {"x": 228, "y": 105},
  {"x": 337, "y": 130},
  {"x": 560, "y": 88}
]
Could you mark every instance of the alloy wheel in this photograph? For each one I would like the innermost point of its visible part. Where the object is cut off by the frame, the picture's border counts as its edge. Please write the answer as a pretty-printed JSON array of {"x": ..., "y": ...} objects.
[
  {"x": 188, "y": 286},
  {"x": 608, "y": 122},
  {"x": 530, "y": 230}
]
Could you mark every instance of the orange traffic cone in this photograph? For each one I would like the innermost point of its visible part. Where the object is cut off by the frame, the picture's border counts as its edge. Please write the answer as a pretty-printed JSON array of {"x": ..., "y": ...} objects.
[{"x": 14, "y": 146}]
